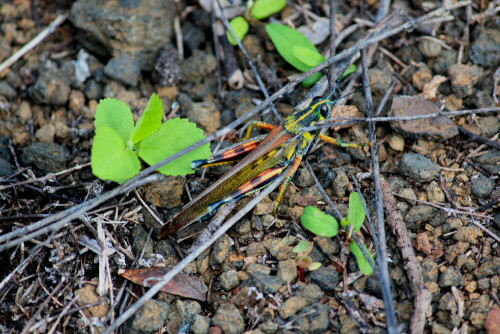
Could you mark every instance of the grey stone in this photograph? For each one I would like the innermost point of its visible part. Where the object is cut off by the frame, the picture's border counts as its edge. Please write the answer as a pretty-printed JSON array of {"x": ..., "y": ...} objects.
[
  {"x": 488, "y": 268},
  {"x": 53, "y": 84},
  {"x": 419, "y": 214},
  {"x": 430, "y": 270},
  {"x": 220, "y": 249},
  {"x": 310, "y": 292},
  {"x": 482, "y": 186},
  {"x": 136, "y": 28},
  {"x": 418, "y": 167},
  {"x": 485, "y": 50},
  {"x": 327, "y": 278},
  {"x": 7, "y": 91},
  {"x": 192, "y": 35},
  {"x": 313, "y": 319},
  {"x": 151, "y": 316},
  {"x": 48, "y": 157},
  {"x": 229, "y": 319},
  {"x": 196, "y": 67},
  {"x": 287, "y": 270},
  {"x": 450, "y": 277},
  {"x": 200, "y": 325},
  {"x": 265, "y": 283},
  {"x": 5, "y": 168},
  {"x": 229, "y": 279},
  {"x": 123, "y": 69}
]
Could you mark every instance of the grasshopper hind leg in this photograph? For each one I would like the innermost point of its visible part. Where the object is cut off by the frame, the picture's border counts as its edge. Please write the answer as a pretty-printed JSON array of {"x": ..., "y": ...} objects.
[{"x": 250, "y": 187}]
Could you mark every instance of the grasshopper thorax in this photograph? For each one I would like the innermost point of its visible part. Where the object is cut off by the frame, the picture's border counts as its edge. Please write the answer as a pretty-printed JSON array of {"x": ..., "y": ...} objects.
[{"x": 318, "y": 110}]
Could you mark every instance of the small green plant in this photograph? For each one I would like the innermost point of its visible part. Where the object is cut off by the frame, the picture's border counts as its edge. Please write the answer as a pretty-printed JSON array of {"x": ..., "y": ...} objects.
[
  {"x": 322, "y": 224},
  {"x": 118, "y": 143},
  {"x": 303, "y": 249},
  {"x": 293, "y": 46}
]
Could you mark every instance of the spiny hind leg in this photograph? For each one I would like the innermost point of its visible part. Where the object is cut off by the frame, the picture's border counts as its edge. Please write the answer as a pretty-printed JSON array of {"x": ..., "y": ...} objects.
[
  {"x": 231, "y": 154},
  {"x": 341, "y": 143}
]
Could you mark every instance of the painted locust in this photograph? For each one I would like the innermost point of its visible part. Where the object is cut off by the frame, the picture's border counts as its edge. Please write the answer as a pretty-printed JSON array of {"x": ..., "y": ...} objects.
[{"x": 260, "y": 162}]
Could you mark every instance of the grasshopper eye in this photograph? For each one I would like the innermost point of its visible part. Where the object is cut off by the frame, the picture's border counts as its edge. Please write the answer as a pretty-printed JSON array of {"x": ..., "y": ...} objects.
[{"x": 325, "y": 110}]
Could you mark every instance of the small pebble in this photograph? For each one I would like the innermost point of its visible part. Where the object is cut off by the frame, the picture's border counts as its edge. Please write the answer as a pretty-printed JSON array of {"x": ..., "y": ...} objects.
[
  {"x": 463, "y": 78},
  {"x": 469, "y": 234},
  {"x": 287, "y": 270},
  {"x": 327, "y": 278},
  {"x": 123, "y": 69},
  {"x": 229, "y": 279},
  {"x": 482, "y": 186},
  {"x": 434, "y": 193},
  {"x": 396, "y": 142},
  {"x": 292, "y": 306},
  {"x": 418, "y": 167},
  {"x": 450, "y": 277},
  {"x": 151, "y": 316},
  {"x": 229, "y": 319},
  {"x": 220, "y": 250}
]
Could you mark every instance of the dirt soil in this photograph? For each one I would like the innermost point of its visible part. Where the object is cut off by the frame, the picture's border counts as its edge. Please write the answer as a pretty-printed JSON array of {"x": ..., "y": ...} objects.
[{"x": 435, "y": 187}]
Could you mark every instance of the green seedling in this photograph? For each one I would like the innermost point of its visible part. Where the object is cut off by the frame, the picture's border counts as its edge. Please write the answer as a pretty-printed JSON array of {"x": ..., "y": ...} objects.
[
  {"x": 118, "y": 142},
  {"x": 240, "y": 27},
  {"x": 293, "y": 46},
  {"x": 322, "y": 224},
  {"x": 303, "y": 249},
  {"x": 262, "y": 9}
]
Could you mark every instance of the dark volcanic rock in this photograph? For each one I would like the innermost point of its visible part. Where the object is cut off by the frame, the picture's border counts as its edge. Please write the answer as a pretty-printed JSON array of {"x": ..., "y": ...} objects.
[
  {"x": 48, "y": 157},
  {"x": 440, "y": 128},
  {"x": 135, "y": 28},
  {"x": 485, "y": 50}
]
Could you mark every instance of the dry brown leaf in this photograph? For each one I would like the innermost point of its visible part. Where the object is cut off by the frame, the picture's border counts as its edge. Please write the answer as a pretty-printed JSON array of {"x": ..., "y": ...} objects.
[{"x": 181, "y": 285}]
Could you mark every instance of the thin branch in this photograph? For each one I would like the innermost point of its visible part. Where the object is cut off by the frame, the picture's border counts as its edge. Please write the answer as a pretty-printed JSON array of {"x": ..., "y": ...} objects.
[
  {"x": 392, "y": 323},
  {"x": 383, "y": 9},
  {"x": 47, "y": 225},
  {"x": 34, "y": 42},
  {"x": 44, "y": 178},
  {"x": 481, "y": 139}
]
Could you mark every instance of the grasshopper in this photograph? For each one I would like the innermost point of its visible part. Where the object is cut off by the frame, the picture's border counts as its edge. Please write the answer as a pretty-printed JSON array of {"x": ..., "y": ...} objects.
[{"x": 260, "y": 161}]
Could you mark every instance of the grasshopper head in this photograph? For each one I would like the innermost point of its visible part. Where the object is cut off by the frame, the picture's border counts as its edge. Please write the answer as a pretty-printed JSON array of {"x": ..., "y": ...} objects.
[{"x": 321, "y": 108}]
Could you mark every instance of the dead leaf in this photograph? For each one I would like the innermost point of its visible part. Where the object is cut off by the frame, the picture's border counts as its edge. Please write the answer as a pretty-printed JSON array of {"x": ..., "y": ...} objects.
[{"x": 181, "y": 285}]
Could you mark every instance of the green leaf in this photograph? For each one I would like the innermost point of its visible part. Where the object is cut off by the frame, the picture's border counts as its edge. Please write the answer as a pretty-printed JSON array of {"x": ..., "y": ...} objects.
[
  {"x": 314, "y": 266},
  {"x": 301, "y": 247},
  {"x": 116, "y": 115},
  {"x": 284, "y": 39},
  {"x": 356, "y": 215},
  {"x": 363, "y": 265},
  {"x": 318, "y": 223},
  {"x": 240, "y": 28},
  {"x": 349, "y": 70},
  {"x": 173, "y": 136},
  {"x": 311, "y": 80},
  {"x": 109, "y": 159},
  {"x": 150, "y": 120},
  {"x": 265, "y": 8},
  {"x": 307, "y": 56}
]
